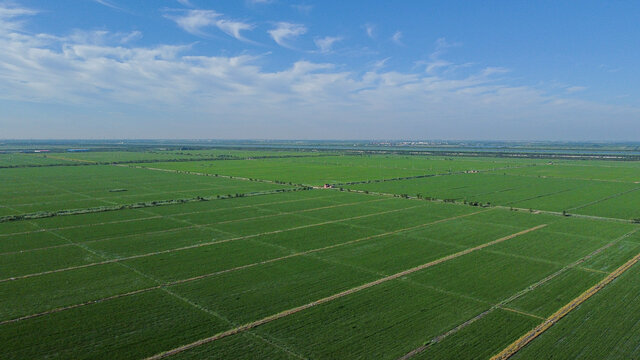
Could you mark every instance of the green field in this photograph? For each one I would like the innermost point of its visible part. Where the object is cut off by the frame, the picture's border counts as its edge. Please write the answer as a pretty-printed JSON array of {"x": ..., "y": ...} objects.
[
  {"x": 250, "y": 266},
  {"x": 342, "y": 169}
]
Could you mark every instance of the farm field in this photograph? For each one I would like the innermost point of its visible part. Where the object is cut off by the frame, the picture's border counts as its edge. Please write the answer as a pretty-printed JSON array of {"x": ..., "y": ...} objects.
[
  {"x": 28, "y": 190},
  {"x": 577, "y": 196},
  {"x": 343, "y": 169},
  {"x": 159, "y": 155},
  {"x": 290, "y": 271},
  {"x": 18, "y": 159},
  {"x": 100, "y": 157}
]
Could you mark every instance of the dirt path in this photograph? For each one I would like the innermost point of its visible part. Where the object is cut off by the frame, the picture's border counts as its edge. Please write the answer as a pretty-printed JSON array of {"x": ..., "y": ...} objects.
[
  {"x": 551, "y": 320},
  {"x": 242, "y": 267},
  {"x": 285, "y": 313}
]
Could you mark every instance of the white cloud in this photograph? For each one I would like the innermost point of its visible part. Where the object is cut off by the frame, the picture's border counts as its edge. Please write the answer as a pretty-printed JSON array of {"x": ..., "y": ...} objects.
[
  {"x": 397, "y": 37},
  {"x": 436, "y": 63},
  {"x": 284, "y": 32},
  {"x": 370, "y": 29},
  {"x": 234, "y": 28},
  {"x": 186, "y": 3},
  {"x": 132, "y": 36},
  {"x": 608, "y": 68},
  {"x": 325, "y": 44},
  {"x": 108, "y": 3},
  {"x": 380, "y": 63},
  {"x": 492, "y": 70},
  {"x": 13, "y": 12},
  {"x": 303, "y": 9},
  {"x": 195, "y": 21},
  {"x": 233, "y": 96}
]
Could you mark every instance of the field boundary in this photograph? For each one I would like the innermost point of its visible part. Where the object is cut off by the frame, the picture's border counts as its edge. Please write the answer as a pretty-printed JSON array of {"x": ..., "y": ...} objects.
[
  {"x": 327, "y": 299},
  {"x": 558, "y": 315}
]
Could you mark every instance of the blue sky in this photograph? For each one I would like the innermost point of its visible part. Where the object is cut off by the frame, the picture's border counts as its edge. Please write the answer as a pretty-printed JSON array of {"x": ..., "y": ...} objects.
[{"x": 512, "y": 70}]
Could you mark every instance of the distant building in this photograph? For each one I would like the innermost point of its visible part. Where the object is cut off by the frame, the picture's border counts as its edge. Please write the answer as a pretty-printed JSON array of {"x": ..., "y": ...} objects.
[{"x": 77, "y": 150}]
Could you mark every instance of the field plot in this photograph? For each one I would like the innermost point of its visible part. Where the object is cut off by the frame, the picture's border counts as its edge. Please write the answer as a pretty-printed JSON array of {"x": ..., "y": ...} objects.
[
  {"x": 19, "y": 159},
  {"x": 604, "y": 327},
  {"x": 56, "y": 188},
  {"x": 341, "y": 169},
  {"x": 315, "y": 273},
  {"x": 599, "y": 198},
  {"x": 174, "y": 155},
  {"x": 625, "y": 171}
]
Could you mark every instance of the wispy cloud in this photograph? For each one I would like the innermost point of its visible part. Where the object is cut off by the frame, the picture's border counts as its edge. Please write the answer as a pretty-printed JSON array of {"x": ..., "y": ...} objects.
[
  {"x": 397, "y": 37},
  {"x": 370, "y": 29},
  {"x": 108, "y": 3},
  {"x": 186, "y": 3},
  {"x": 380, "y": 63},
  {"x": 325, "y": 44},
  {"x": 303, "y": 8},
  {"x": 575, "y": 89},
  {"x": 13, "y": 12},
  {"x": 234, "y": 28},
  {"x": 436, "y": 62},
  {"x": 195, "y": 21},
  {"x": 608, "y": 68},
  {"x": 284, "y": 32}
]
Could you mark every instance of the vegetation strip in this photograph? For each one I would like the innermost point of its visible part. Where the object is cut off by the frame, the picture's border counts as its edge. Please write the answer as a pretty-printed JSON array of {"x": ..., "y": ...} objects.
[
  {"x": 48, "y": 214},
  {"x": 517, "y": 295},
  {"x": 213, "y": 175},
  {"x": 80, "y": 162},
  {"x": 336, "y": 296},
  {"x": 551, "y": 320},
  {"x": 242, "y": 267},
  {"x": 200, "y": 244},
  {"x": 324, "y": 197}
]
